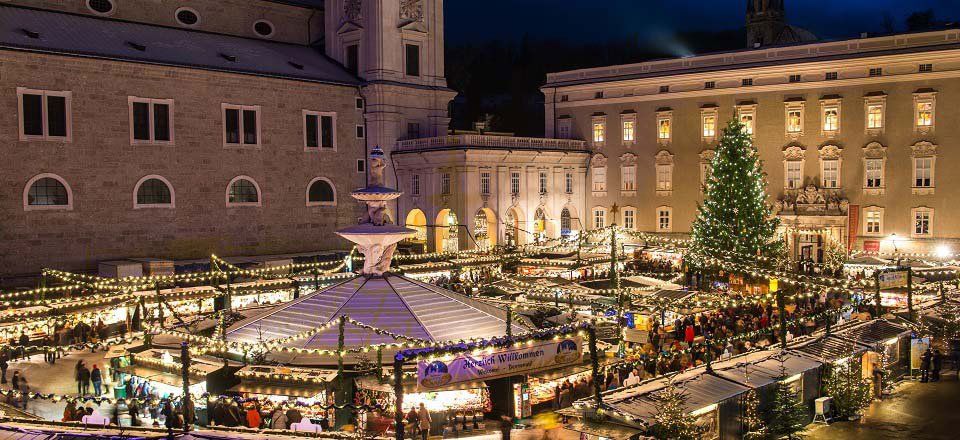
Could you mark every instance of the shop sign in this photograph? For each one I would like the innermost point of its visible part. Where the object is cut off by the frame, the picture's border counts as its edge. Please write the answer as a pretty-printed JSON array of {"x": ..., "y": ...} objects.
[
  {"x": 466, "y": 367},
  {"x": 871, "y": 246},
  {"x": 890, "y": 280},
  {"x": 917, "y": 347},
  {"x": 774, "y": 284}
]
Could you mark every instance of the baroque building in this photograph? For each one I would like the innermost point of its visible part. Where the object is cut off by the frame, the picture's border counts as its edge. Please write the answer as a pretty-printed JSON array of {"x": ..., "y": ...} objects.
[
  {"x": 176, "y": 129},
  {"x": 855, "y": 137}
]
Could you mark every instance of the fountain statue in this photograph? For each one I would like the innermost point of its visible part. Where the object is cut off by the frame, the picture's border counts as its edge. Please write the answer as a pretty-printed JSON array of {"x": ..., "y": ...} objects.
[{"x": 375, "y": 234}]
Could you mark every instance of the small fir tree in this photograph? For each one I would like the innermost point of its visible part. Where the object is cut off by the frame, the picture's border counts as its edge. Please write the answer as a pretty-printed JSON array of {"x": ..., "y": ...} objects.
[
  {"x": 850, "y": 392},
  {"x": 672, "y": 420},
  {"x": 756, "y": 429},
  {"x": 787, "y": 414},
  {"x": 834, "y": 256},
  {"x": 735, "y": 221}
]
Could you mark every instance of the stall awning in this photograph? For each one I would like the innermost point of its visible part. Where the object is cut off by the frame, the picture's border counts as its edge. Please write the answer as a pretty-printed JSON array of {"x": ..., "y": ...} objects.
[
  {"x": 702, "y": 391},
  {"x": 570, "y": 370},
  {"x": 163, "y": 377},
  {"x": 756, "y": 373},
  {"x": 278, "y": 389},
  {"x": 829, "y": 348},
  {"x": 410, "y": 385},
  {"x": 607, "y": 430},
  {"x": 873, "y": 332}
]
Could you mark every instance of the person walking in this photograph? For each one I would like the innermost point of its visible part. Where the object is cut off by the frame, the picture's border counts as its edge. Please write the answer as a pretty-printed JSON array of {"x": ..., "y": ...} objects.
[
  {"x": 925, "y": 359},
  {"x": 506, "y": 425},
  {"x": 15, "y": 381},
  {"x": 936, "y": 362},
  {"x": 83, "y": 378},
  {"x": 24, "y": 342},
  {"x": 425, "y": 420},
  {"x": 96, "y": 376}
]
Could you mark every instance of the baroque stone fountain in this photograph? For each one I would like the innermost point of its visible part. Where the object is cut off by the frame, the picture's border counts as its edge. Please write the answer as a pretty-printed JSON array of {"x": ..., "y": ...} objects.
[{"x": 375, "y": 234}]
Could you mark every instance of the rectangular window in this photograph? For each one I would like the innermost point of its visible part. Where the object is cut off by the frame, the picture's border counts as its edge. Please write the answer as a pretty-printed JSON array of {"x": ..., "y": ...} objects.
[
  {"x": 923, "y": 172},
  {"x": 514, "y": 182},
  {"x": 874, "y": 173},
  {"x": 320, "y": 130},
  {"x": 664, "y": 89},
  {"x": 709, "y": 125},
  {"x": 150, "y": 120},
  {"x": 629, "y": 127},
  {"x": 353, "y": 58},
  {"x": 359, "y": 104},
  {"x": 831, "y": 173},
  {"x": 876, "y": 71},
  {"x": 44, "y": 114},
  {"x": 564, "y": 98},
  {"x": 598, "y": 95},
  {"x": 485, "y": 183},
  {"x": 830, "y": 76},
  {"x": 413, "y": 59},
  {"x": 361, "y": 165},
  {"x": 415, "y": 184},
  {"x": 710, "y": 85},
  {"x": 568, "y": 182},
  {"x": 564, "y": 128},
  {"x": 831, "y": 118},
  {"x": 924, "y": 113},
  {"x": 599, "y": 131},
  {"x": 629, "y": 178},
  {"x": 795, "y": 78},
  {"x": 663, "y": 219},
  {"x": 361, "y": 132},
  {"x": 746, "y": 82},
  {"x": 794, "y": 174},
  {"x": 599, "y": 179},
  {"x": 872, "y": 222},
  {"x": 794, "y": 120},
  {"x": 241, "y": 124},
  {"x": 663, "y": 128},
  {"x": 664, "y": 177},
  {"x": 445, "y": 183},
  {"x": 599, "y": 218},
  {"x": 926, "y": 67},
  {"x": 629, "y": 219},
  {"x": 413, "y": 130},
  {"x": 921, "y": 222},
  {"x": 875, "y": 116},
  {"x": 542, "y": 181}
]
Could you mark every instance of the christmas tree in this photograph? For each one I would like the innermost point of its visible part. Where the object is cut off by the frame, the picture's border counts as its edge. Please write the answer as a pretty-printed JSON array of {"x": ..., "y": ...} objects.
[
  {"x": 672, "y": 420},
  {"x": 753, "y": 423},
  {"x": 787, "y": 415},
  {"x": 850, "y": 392},
  {"x": 734, "y": 222}
]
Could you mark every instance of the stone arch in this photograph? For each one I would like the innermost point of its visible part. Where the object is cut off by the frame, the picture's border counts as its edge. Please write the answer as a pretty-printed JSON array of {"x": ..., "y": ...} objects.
[
  {"x": 514, "y": 224},
  {"x": 447, "y": 231},
  {"x": 417, "y": 220},
  {"x": 485, "y": 228}
]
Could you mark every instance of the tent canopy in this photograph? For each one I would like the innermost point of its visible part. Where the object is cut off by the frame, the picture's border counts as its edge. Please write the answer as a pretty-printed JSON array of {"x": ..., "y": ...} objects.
[{"x": 760, "y": 369}]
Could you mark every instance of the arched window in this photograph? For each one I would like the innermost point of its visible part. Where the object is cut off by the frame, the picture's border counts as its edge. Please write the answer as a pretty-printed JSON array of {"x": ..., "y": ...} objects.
[
  {"x": 47, "y": 192},
  {"x": 320, "y": 192},
  {"x": 243, "y": 191},
  {"x": 153, "y": 192},
  {"x": 565, "y": 222}
]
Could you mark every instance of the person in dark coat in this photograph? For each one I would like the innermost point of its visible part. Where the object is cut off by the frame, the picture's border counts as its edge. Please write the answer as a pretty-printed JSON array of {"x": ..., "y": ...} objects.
[
  {"x": 506, "y": 425},
  {"x": 168, "y": 414},
  {"x": 293, "y": 416},
  {"x": 133, "y": 408},
  {"x": 83, "y": 377},
  {"x": 236, "y": 417},
  {"x": 24, "y": 342},
  {"x": 925, "y": 359},
  {"x": 936, "y": 362},
  {"x": 4, "y": 359},
  {"x": 15, "y": 381}
]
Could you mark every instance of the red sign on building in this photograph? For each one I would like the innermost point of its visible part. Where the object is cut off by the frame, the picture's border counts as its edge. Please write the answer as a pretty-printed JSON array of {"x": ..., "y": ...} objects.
[
  {"x": 853, "y": 218},
  {"x": 871, "y": 246}
]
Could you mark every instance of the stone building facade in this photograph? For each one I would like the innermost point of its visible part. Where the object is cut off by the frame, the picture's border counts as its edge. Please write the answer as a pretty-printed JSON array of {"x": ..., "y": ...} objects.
[
  {"x": 856, "y": 137},
  {"x": 171, "y": 129}
]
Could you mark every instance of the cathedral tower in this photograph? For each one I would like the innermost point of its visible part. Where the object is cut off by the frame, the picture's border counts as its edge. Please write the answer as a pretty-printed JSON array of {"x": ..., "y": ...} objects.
[{"x": 766, "y": 20}]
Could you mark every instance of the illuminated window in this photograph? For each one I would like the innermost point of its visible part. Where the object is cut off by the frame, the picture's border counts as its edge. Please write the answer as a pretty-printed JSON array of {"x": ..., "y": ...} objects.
[
  {"x": 629, "y": 218},
  {"x": 831, "y": 118},
  {"x": 924, "y": 113},
  {"x": 924, "y": 156},
  {"x": 628, "y": 178},
  {"x": 709, "y": 126},
  {"x": 664, "y": 123},
  {"x": 873, "y": 169},
  {"x": 747, "y": 114},
  {"x": 599, "y": 179},
  {"x": 629, "y": 125},
  {"x": 875, "y": 116},
  {"x": 664, "y": 177},
  {"x": 873, "y": 221},
  {"x": 664, "y": 221},
  {"x": 794, "y": 174},
  {"x": 922, "y": 222},
  {"x": 794, "y": 120},
  {"x": 599, "y": 130},
  {"x": 599, "y": 217}
]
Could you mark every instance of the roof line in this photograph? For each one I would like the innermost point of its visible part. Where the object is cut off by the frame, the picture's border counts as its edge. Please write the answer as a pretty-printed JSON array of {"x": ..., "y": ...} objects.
[
  {"x": 340, "y": 307},
  {"x": 405, "y": 304},
  {"x": 258, "y": 317},
  {"x": 466, "y": 303}
]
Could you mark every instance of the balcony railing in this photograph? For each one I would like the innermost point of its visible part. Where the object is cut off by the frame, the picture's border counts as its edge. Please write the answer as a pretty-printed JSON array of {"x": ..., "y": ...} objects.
[{"x": 481, "y": 141}]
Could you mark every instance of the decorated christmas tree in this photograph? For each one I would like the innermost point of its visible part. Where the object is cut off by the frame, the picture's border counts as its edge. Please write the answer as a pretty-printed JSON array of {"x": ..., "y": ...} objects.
[
  {"x": 850, "y": 392},
  {"x": 753, "y": 423},
  {"x": 734, "y": 222},
  {"x": 672, "y": 420},
  {"x": 787, "y": 416}
]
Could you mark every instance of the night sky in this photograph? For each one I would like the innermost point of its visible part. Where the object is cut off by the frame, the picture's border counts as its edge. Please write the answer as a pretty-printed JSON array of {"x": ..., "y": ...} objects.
[{"x": 654, "y": 21}]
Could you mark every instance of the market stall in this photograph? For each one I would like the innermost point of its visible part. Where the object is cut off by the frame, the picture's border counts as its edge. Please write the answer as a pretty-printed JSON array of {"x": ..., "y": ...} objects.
[
  {"x": 455, "y": 408},
  {"x": 159, "y": 371},
  {"x": 763, "y": 370},
  {"x": 308, "y": 389}
]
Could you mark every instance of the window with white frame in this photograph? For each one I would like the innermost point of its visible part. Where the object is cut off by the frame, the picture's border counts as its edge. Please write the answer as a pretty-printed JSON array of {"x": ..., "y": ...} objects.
[
  {"x": 873, "y": 221},
  {"x": 415, "y": 184},
  {"x": 485, "y": 183},
  {"x": 708, "y": 123},
  {"x": 321, "y": 192},
  {"x": 793, "y": 173},
  {"x": 922, "y": 172},
  {"x": 794, "y": 118},
  {"x": 151, "y": 120},
  {"x": 599, "y": 130},
  {"x": 542, "y": 181},
  {"x": 628, "y": 123},
  {"x": 925, "y": 106},
  {"x": 599, "y": 179},
  {"x": 564, "y": 128},
  {"x": 514, "y": 182},
  {"x": 873, "y": 172},
  {"x": 319, "y": 130},
  {"x": 875, "y": 116},
  {"x": 706, "y": 166},
  {"x": 599, "y": 217},
  {"x": 568, "y": 182},
  {"x": 153, "y": 192},
  {"x": 629, "y": 218},
  {"x": 664, "y": 219},
  {"x": 830, "y": 171},
  {"x": 445, "y": 183},
  {"x": 46, "y": 192},
  {"x": 241, "y": 125},
  {"x": 664, "y": 126},
  {"x": 243, "y": 191},
  {"x": 45, "y": 115},
  {"x": 924, "y": 156},
  {"x": 628, "y": 177},
  {"x": 922, "y": 222},
  {"x": 747, "y": 114},
  {"x": 830, "y": 114},
  {"x": 664, "y": 177}
]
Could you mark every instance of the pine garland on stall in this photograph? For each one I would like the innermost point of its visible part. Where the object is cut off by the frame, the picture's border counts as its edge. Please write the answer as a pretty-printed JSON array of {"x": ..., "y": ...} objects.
[
  {"x": 735, "y": 221},
  {"x": 672, "y": 420}
]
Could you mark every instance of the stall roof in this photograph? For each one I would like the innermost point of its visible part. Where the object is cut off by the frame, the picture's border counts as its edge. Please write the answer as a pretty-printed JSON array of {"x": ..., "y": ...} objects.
[
  {"x": 868, "y": 260},
  {"x": 873, "y": 332},
  {"x": 155, "y": 375},
  {"x": 762, "y": 368},
  {"x": 651, "y": 281},
  {"x": 570, "y": 370},
  {"x": 278, "y": 389},
  {"x": 603, "y": 430},
  {"x": 673, "y": 295},
  {"x": 410, "y": 385},
  {"x": 702, "y": 390},
  {"x": 828, "y": 348}
]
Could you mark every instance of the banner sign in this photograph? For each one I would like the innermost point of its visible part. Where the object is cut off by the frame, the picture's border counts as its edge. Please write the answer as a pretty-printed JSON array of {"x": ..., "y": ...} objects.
[
  {"x": 871, "y": 246},
  {"x": 890, "y": 280},
  {"x": 853, "y": 224},
  {"x": 465, "y": 367}
]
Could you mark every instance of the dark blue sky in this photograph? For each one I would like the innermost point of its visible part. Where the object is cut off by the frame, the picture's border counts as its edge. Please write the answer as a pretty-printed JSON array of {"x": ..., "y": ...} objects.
[{"x": 600, "y": 20}]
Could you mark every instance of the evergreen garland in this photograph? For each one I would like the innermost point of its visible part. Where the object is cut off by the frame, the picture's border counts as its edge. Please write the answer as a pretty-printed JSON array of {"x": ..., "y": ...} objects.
[
  {"x": 672, "y": 420},
  {"x": 735, "y": 222}
]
